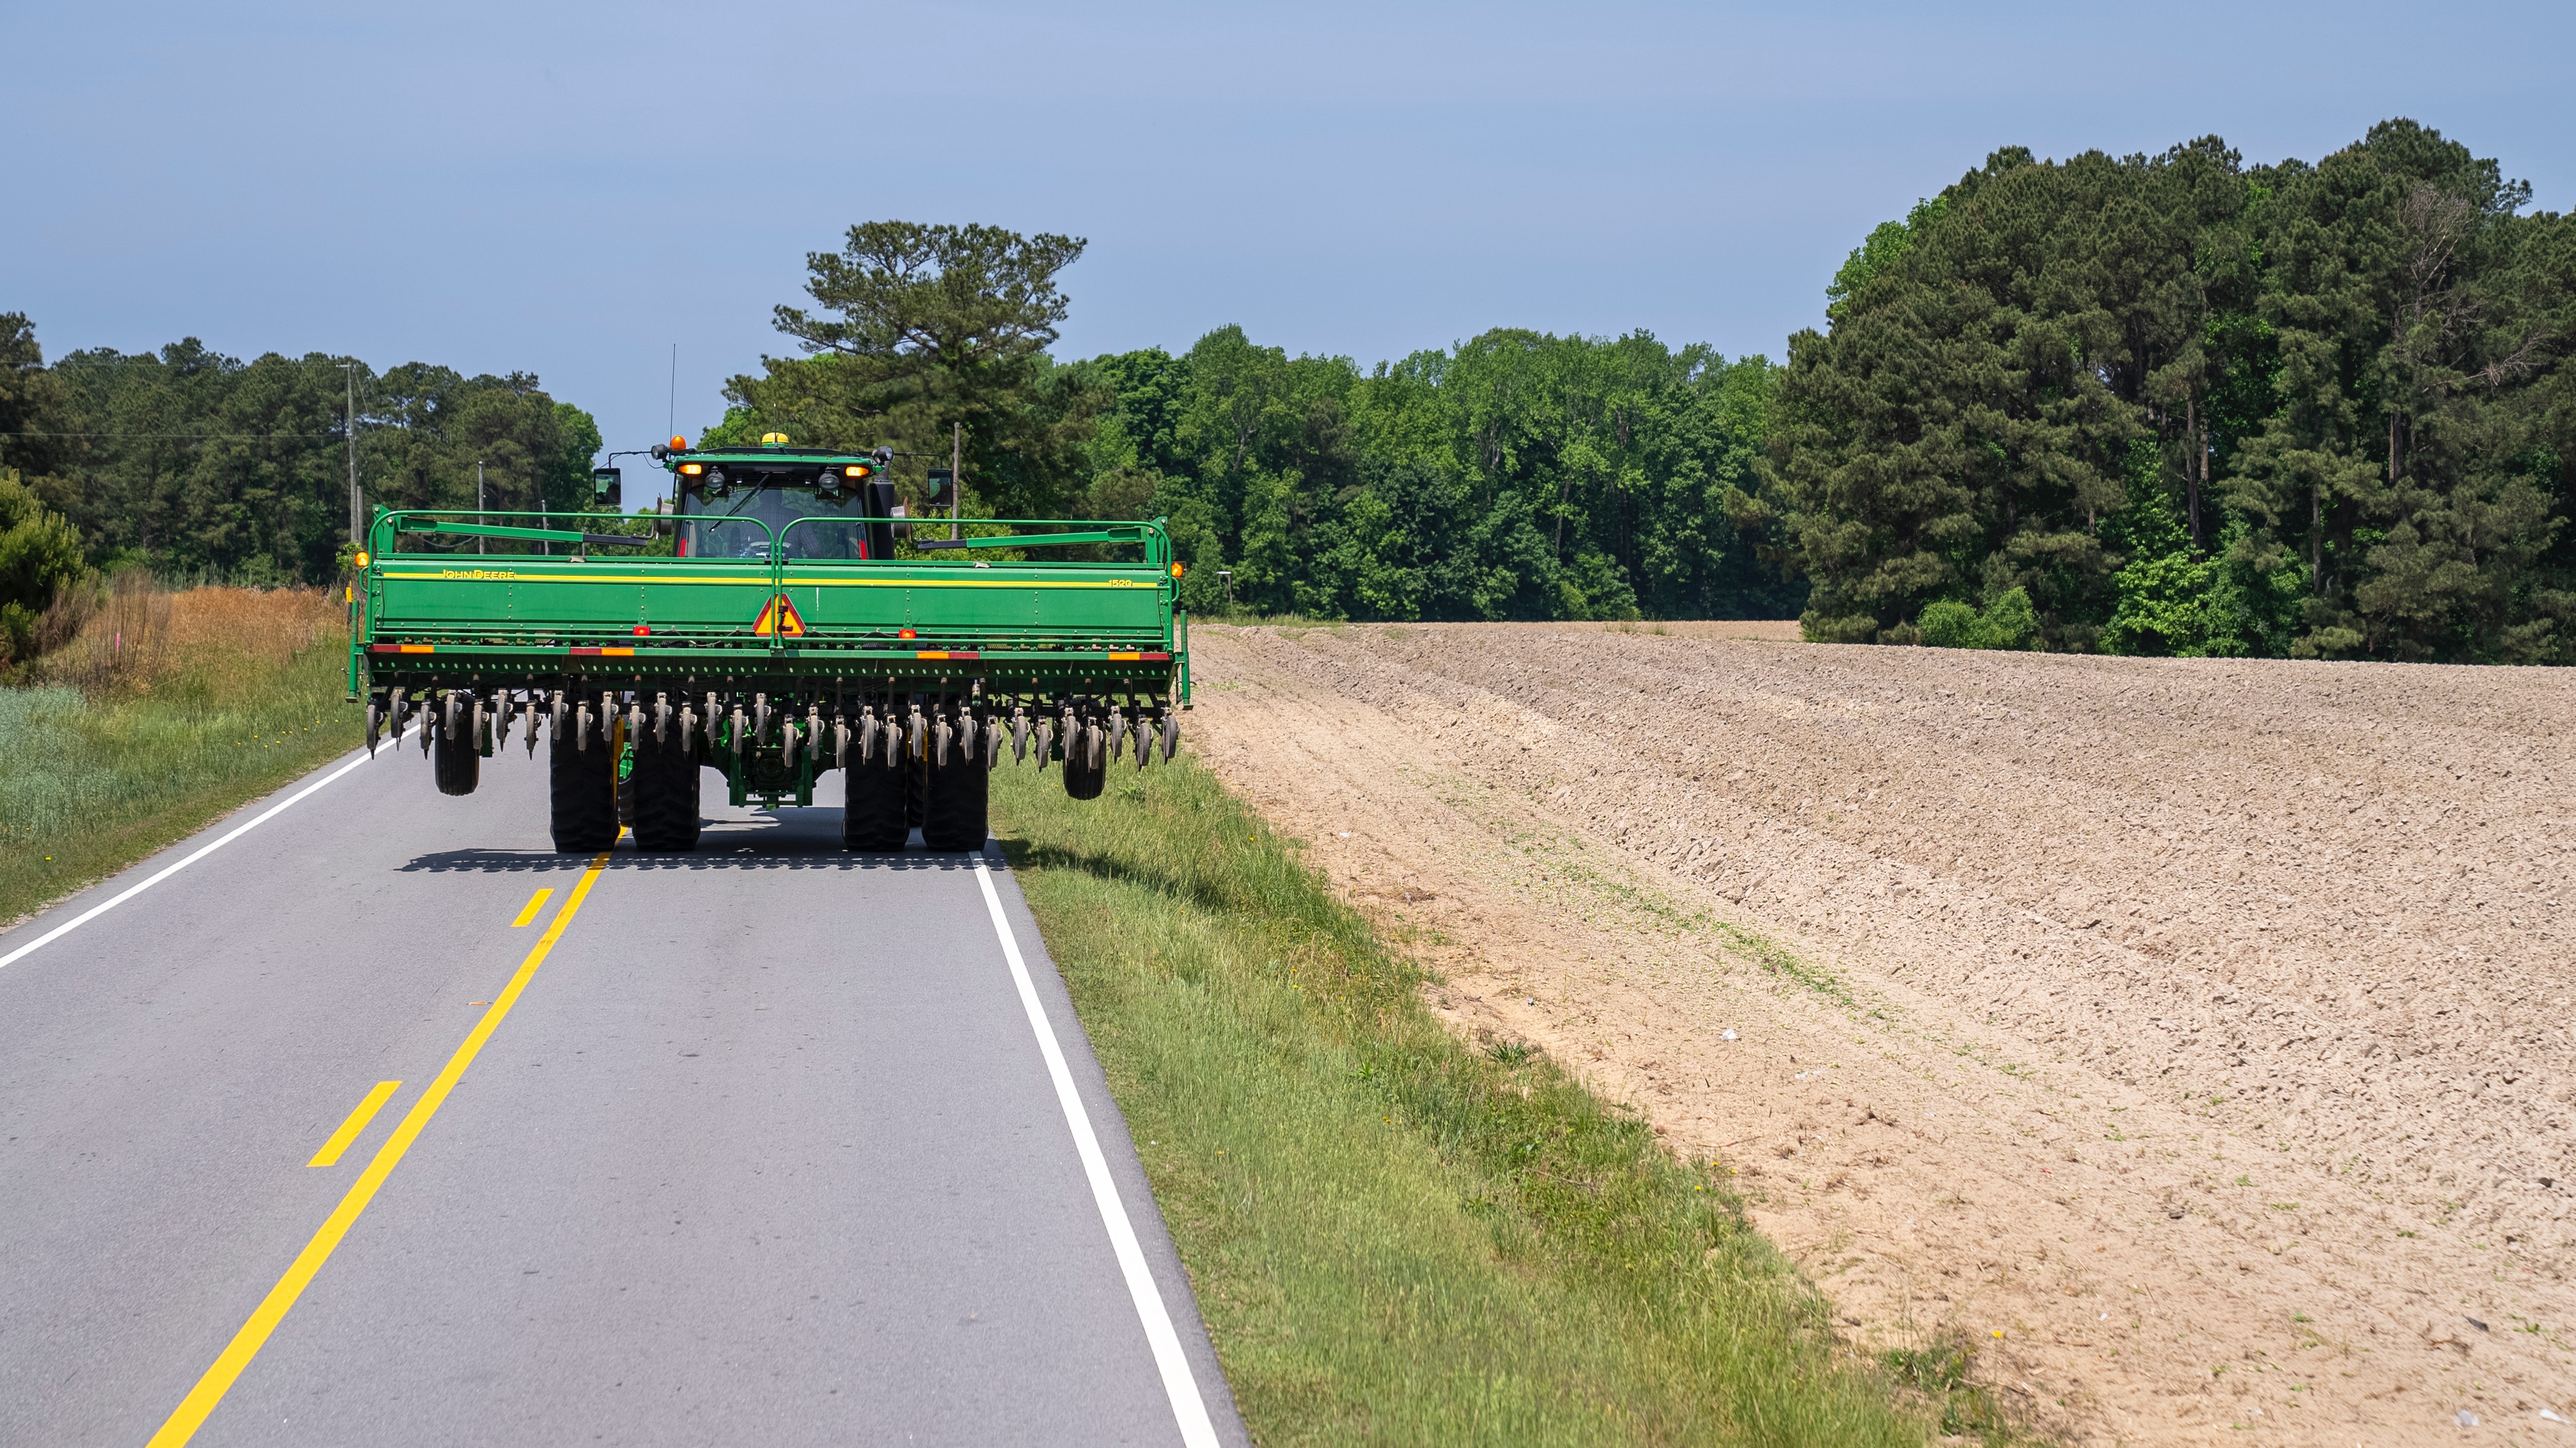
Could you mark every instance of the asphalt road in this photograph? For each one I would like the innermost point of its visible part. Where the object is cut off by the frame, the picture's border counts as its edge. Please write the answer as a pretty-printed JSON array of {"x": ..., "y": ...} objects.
[{"x": 763, "y": 1148}]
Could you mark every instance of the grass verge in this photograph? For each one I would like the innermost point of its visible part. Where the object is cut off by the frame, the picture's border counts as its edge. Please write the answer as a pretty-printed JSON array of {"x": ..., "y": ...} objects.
[
  {"x": 1394, "y": 1237},
  {"x": 241, "y": 693}
]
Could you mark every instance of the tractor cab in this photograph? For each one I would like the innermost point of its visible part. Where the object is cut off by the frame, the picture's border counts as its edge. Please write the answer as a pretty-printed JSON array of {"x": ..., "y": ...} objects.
[{"x": 740, "y": 503}]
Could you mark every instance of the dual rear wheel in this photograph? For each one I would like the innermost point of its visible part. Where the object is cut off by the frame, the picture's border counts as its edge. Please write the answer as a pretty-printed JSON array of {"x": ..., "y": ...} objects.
[
  {"x": 588, "y": 803},
  {"x": 880, "y": 805}
]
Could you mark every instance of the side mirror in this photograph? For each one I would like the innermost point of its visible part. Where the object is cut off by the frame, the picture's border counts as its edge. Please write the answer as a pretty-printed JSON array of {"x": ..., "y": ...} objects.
[
  {"x": 943, "y": 486},
  {"x": 604, "y": 487}
]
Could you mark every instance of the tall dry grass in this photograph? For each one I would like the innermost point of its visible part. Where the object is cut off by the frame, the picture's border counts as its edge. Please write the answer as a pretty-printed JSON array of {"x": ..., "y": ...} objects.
[
  {"x": 130, "y": 637},
  {"x": 154, "y": 712}
]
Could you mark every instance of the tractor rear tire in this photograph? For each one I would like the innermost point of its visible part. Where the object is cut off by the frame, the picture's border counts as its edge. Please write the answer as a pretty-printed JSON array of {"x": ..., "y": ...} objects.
[
  {"x": 665, "y": 785},
  {"x": 1082, "y": 778},
  {"x": 872, "y": 806},
  {"x": 581, "y": 789},
  {"x": 455, "y": 763},
  {"x": 953, "y": 804}
]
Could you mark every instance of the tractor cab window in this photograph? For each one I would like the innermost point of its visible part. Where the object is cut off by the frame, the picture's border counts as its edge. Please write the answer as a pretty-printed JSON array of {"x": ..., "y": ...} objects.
[{"x": 812, "y": 524}]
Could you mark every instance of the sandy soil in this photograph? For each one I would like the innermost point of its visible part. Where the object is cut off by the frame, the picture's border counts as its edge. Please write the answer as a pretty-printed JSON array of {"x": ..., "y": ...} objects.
[{"x": 2192, "y": 1036}]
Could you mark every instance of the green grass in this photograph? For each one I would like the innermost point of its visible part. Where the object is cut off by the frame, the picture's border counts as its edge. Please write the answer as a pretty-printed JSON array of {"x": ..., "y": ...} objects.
[
  {"x": 1396, "y": 1237},
  {"x": 89, "y": 788}
]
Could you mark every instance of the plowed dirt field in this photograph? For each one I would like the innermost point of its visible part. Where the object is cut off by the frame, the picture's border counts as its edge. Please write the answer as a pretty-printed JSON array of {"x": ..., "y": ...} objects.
[{"x": 2191, "y": 1037}]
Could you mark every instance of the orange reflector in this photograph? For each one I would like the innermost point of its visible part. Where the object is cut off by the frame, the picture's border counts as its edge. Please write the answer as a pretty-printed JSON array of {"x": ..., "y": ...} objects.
[
  {"x": 779, "y": 618},
  {"x": 947, "y": 654},
  {"x": 419, "y": 648},
  {"x": 1122, "y": 658}
]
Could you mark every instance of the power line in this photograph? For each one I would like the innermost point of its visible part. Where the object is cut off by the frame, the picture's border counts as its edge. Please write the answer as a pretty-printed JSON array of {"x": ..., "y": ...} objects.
[{"x": 196, "y": 436}]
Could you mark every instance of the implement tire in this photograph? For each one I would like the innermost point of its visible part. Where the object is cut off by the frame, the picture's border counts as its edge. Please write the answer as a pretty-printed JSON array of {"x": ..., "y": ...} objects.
[
  {"x": 581, "y": 787},
  {"x": 872, "y": 807},
  {"x": 952, "y": 807},
  {"x": 1082, "y": 778},
  {"x": 665, "y": 784},
  {"x": 455, "y": 763}
]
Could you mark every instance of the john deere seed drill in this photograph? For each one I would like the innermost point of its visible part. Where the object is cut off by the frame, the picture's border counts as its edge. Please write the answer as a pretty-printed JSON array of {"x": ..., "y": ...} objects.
[{"x": 798, "y": 623}]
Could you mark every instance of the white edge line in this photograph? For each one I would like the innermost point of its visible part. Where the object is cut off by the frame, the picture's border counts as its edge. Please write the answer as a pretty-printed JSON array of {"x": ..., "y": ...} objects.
[
  {"x": 1187, "y": 1406},
  {"x": 166, "y": 871}
]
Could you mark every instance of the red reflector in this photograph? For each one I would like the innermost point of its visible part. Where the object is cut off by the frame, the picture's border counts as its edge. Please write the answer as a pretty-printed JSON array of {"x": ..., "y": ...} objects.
[
  {"x": 907, "y": 633},
  {"x": 578, "y": 652},
  {"x": 641, "y": 630},
  {"x": 1156, "y": 658}
]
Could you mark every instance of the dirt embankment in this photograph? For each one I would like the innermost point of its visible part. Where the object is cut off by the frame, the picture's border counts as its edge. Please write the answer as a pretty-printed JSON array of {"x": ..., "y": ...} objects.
[{"x": 2200, "y": 1027}]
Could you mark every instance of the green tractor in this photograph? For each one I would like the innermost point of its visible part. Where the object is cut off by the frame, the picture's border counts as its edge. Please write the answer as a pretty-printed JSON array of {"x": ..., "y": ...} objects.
[{"x": 781, "y": 617}]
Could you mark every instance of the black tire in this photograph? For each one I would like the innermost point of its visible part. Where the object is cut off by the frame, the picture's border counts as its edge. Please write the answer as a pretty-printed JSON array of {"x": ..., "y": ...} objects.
[
  {"x": 454, "y": 761},
  {"x": 665, "y": 790},
  {"x": 581, "y": 788},
  {"x": 1082, "y": 778},
  {"x": 872, "y": 806},
  {"x": 952, "y": 813}
]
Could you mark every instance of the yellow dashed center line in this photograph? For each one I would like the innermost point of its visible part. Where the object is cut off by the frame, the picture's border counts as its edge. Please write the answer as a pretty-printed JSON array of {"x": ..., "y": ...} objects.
[
  {"x": 236, "y": 1356},
  {"x": 329, "y": 1155},
  {"x": 536, "y": 903}
]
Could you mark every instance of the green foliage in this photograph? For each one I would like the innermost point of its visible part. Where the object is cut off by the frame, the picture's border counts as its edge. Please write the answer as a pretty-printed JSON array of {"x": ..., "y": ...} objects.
[
  {"x": 1518, "y": 475},
  {"x": 1394, "y": 1237},
  {"x": 1878, "y": 253},
  {"x": 39, "y": 552},
  {"x": 2193, "y": 407},
  {"x": 2007, "y": 623}
]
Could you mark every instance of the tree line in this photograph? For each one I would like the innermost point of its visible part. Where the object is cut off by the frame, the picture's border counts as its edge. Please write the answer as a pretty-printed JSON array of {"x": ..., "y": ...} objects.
[
  {"x": 1518, "y": 475},
  {"x": 2171, "y": 404},
  {"x": 192, "y": 464},
  {"x": 2182, "y": 405}
]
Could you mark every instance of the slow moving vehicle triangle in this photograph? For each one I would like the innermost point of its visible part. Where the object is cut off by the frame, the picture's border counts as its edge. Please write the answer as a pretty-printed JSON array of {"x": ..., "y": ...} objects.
[{"x": 779, "y": 617}]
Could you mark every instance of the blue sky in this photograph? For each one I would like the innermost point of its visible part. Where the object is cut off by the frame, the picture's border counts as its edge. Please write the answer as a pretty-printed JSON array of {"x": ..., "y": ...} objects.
[{"x": 571, "y": 189}]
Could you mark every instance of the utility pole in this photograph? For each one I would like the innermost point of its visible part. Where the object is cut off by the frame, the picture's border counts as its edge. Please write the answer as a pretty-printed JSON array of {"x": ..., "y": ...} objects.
[
  {"x": 357, "y": 517},
  {"x": 481, "y": 544},
  {"x": 956, "y": 473}
]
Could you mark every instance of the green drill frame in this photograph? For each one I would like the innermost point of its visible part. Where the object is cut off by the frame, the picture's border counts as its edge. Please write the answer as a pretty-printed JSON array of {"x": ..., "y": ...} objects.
[{"x": 597, "y": 618}]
